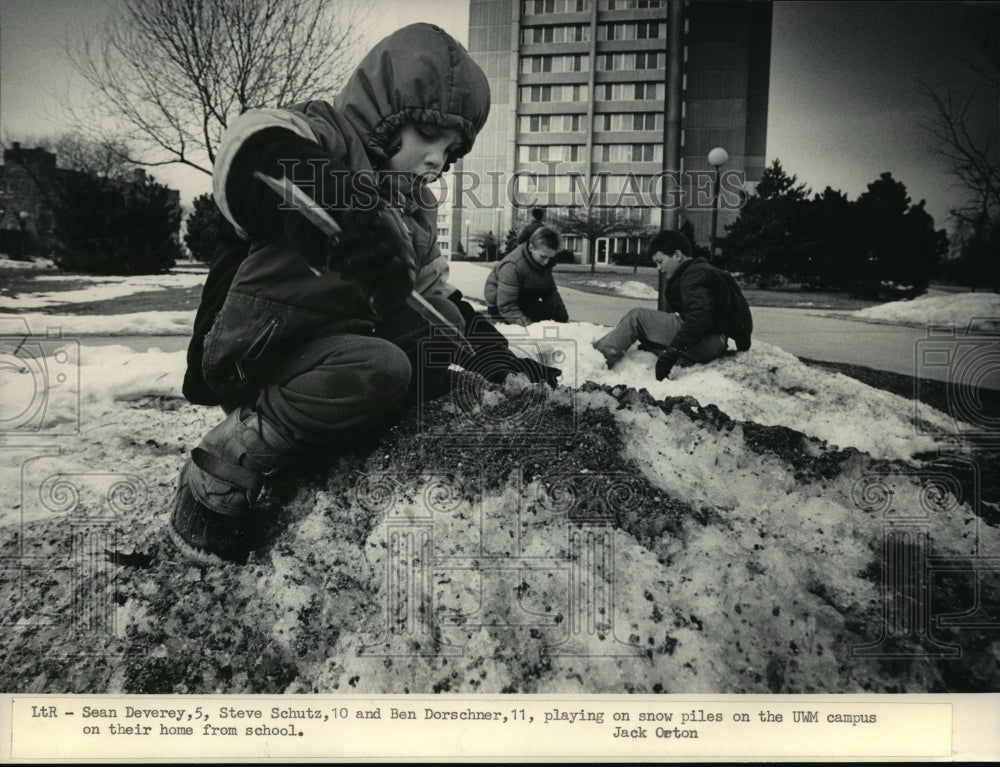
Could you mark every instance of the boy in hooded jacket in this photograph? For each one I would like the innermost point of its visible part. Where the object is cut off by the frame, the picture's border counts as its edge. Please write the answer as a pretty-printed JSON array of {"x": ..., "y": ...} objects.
[{"x": 316, "y": 344}]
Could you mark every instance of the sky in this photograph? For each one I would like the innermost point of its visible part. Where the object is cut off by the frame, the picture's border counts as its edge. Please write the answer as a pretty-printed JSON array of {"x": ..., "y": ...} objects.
[{"x": 844, "y": 107}]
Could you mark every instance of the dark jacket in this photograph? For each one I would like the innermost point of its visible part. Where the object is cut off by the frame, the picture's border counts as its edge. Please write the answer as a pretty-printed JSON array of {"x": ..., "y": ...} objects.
[
  {"x": 693, "y": 293},
  {"x": 516, "y": 279},
  {"x": 417, "y": 74}
]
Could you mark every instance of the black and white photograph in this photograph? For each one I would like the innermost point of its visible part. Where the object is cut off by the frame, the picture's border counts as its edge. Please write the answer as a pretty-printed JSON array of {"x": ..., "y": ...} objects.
[{"x": 584, "y": 355}]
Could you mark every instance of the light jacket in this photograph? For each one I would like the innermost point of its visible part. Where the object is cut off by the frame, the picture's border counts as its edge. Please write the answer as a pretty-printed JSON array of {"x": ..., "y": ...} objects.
[
  {"x": 516, "y": 278},
  {"x": 417, "y": 74}
]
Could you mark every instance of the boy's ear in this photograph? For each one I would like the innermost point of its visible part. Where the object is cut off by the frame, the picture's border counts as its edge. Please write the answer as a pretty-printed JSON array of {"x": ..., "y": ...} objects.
[{"x": 394, "y": 145}]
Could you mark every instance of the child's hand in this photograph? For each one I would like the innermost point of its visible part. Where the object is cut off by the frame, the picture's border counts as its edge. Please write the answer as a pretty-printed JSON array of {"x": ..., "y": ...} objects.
[{"x": 375, "y": 249}]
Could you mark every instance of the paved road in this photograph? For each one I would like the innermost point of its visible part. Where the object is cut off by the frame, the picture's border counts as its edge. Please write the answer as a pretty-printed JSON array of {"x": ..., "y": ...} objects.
[{"x": 802, "y": 332}]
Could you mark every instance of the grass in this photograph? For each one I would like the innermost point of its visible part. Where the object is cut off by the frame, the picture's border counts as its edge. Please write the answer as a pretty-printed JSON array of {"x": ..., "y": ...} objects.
[{"x": 16, "y": 282}]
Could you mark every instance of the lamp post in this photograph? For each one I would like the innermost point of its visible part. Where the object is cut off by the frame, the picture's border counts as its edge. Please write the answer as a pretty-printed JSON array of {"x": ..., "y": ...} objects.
[
  {"x": 716, "y": 158},
  {"x": 22, "y": 222},
  {"x": 467, "y": 240}
]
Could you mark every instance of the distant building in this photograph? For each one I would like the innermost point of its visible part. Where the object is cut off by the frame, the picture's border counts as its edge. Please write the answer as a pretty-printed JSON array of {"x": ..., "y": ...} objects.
[
  {"x": 26, "y": 216},
  {"x": 618, "y": 99}
]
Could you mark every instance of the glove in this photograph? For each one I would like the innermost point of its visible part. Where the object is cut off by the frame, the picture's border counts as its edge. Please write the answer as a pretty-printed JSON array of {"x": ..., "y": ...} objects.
[
  {"x": 375, "y": 249},
  {"x": 665, "y": 362},
  {"x": 538, "y": 373},
  {"x": 495, "y": 364}
]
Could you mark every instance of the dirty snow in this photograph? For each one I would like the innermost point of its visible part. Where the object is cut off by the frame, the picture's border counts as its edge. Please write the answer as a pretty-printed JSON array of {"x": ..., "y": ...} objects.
[
  {"x": 628, "y": 288},
  {"x": 99, "y": 414},
  {"x": 101, "y": 289},
  {"x": 948, "y": 309}
]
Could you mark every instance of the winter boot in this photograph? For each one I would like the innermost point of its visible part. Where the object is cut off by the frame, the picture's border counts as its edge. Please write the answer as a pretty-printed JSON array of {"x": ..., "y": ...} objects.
[{"x": 213, "y": 514}]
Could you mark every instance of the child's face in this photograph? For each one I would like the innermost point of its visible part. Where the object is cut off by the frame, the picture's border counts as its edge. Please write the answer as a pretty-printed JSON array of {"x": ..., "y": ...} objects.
[{"x": 424, "y": 151}]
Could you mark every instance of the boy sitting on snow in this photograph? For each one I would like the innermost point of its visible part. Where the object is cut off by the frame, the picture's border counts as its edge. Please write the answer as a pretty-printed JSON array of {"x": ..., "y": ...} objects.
[{"x": 316, "y": 343}]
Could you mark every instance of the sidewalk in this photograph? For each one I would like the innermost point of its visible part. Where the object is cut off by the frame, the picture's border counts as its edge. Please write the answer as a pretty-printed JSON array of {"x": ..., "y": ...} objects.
[{"x": 804, "y": 333}]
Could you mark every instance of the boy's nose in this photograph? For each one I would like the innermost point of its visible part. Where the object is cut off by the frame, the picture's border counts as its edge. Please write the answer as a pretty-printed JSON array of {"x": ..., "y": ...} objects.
[{"x": 434, "y": 158}]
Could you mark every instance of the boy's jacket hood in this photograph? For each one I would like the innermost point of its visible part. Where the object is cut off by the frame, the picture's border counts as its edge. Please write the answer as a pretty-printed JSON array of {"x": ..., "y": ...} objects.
[{"x": 417, "y": 74}]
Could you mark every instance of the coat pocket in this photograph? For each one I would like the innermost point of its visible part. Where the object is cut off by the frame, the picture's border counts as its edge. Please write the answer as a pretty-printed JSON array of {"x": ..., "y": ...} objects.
[{"x": 238, "y": 345}]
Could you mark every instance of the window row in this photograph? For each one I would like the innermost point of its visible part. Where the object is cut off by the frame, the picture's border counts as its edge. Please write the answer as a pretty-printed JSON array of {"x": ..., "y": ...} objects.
[
  {"x": 631, "y": 30},
  {"x": 616, "y": 62},
  {"x": 565, "y": 33},
  {"x": 541, "y": 93},
  {"x": 600, "y": 184},
  {"x": 570, "y": 63},
  {"x": 628, "y": 5},
  {"x": 629, "y": 121},
  {"x": 628, "y": 152},
  {"x": 602, "y": 92},
  {"x": 530, "y": 7},
  {"x": 602, "y": 153},
  {"x": 629, "y": 91},
  {"x": 552, "y": 123},
  {"x": 559, "y": 152},
  {"x": 617, "y": 121}
]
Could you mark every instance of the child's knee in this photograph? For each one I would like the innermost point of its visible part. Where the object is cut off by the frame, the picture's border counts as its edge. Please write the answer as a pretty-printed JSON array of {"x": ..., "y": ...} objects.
[{"x": 390, "y": 375}]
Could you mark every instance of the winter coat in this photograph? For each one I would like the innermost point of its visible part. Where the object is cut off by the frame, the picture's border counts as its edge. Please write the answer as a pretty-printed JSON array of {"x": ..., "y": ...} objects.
[
  {"x": 692, "y": 293},
  {"x": 515, "y": 279},
  {"x": 417, "y": 74}
]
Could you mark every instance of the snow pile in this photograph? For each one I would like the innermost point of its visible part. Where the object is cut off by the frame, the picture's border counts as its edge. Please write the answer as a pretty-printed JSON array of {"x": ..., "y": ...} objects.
[
  {"x": 628, "y": 289},
  {"x": 722, "y": 531},
  {"x": 34, "y": 263},
  {"x": 956, "y": 309},
  {"x": 765, "y": 385}
]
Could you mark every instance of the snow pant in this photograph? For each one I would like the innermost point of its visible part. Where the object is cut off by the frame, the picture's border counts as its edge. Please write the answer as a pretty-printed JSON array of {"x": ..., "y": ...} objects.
[
  {"x": 655, "y": 330},
  {"x": 535, "y": 309},
  {"x": 322, "y": 394}
]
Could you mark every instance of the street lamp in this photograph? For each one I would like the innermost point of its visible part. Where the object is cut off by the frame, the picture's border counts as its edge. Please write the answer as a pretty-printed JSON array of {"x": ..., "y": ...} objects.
[
  {"x": 22, "y": 221},
  {"x": 716, "y": 158}
]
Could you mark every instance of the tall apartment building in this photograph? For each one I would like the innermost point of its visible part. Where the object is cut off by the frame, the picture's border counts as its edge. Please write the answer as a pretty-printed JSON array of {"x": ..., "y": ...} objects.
[{"x": 615, "y": 104}]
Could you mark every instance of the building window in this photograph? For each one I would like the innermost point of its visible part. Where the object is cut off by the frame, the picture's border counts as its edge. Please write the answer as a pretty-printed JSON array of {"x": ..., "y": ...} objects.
[
  {"x": 630, "y": 91},
  {"x": 570, "y": 63},
  {"x": 532, "y": 7},
  {"x": 628, "y": 5},
  {"x": 558, "y": 152},
  {"x": 630, "y": 30},
  {"x": 564, "y": 33},
  {"x": 628, "y": 152},
  {"x": 553, "y": 93},
  {"x": 630, "y": 121}
]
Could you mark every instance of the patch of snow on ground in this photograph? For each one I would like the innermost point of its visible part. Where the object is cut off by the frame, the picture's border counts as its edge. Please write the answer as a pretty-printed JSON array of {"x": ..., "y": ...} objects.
[
  {"x": 104, "y": 288},
  {"x": 950, "y": 309},
  {"x": 177, "y": 323},
  {"x": 36, "y": 263},
  {"x": 628, "y": 289}
]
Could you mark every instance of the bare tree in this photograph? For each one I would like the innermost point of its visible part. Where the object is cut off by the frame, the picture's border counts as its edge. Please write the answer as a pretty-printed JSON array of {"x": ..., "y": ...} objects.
[
  {"x": 103, "y": 158},
  {"x": 592, "y": 223},
  {"x": 965, "y": 136},
  {"x": 174, "y": 73}
]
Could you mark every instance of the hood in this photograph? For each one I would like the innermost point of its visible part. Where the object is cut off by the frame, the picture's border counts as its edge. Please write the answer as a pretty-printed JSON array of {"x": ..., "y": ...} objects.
[{"x": 417, "y": 74}]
